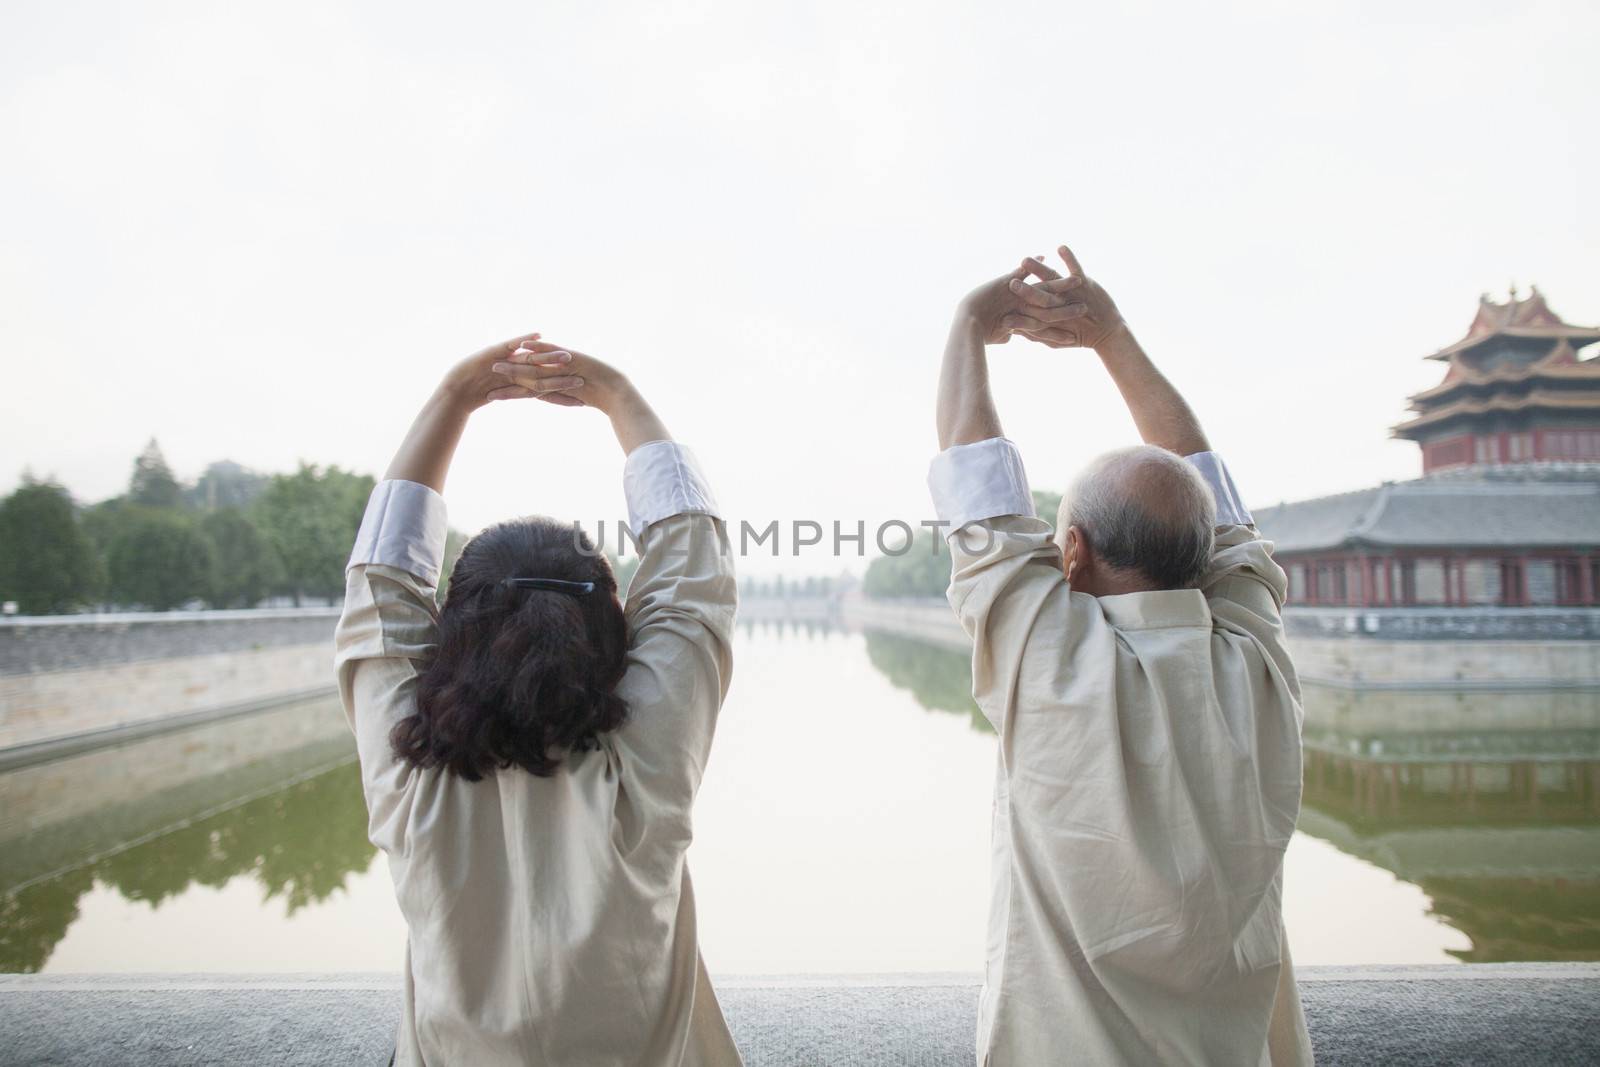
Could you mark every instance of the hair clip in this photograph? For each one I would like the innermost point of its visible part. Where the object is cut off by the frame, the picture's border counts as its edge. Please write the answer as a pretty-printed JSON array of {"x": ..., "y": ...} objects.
[{"x": 555, "y": 585}]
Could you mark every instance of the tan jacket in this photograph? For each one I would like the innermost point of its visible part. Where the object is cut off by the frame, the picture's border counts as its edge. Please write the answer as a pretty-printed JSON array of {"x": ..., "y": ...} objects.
[
  {"x": 550, "y": 920},
  {"x": 1148, "y": 784}
]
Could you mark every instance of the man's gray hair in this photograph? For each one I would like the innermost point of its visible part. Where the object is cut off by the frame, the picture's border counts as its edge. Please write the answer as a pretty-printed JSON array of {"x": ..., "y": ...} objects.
[{"x": 1147, "y": 511}]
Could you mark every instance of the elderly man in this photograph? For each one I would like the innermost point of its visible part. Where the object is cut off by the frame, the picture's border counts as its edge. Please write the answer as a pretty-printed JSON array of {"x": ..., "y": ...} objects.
[{"x": 1134, "y": 667}]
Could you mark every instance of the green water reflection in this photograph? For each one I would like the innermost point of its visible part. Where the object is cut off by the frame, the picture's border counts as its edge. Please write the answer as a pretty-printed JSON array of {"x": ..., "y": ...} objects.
[
  {"x": 293, "y": 821},
  {"x": 938, "y": 678},
  {"x": 1488, "y": 802}
]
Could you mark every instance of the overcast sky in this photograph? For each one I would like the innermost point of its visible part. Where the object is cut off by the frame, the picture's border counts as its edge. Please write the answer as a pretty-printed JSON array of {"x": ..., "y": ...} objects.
[{"x": 261, "y": 232}]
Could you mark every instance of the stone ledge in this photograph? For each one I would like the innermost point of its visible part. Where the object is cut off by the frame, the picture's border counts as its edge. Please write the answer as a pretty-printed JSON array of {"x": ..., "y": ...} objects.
[{"x": 1474, "y": 1014}]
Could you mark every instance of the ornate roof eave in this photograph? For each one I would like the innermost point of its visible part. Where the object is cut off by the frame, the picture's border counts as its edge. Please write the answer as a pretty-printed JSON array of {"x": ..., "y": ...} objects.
[
  {"x": 1535, "y": 399},
  {"x": 1561, "y": 364},
  {"x": 1577, "y": 336},
  {"x": 1526, "y": 317},
  {"x": 1512, "y": 514}
]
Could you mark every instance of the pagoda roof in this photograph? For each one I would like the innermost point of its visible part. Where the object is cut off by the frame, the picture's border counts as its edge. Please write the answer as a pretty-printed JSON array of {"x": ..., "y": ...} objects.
[
  {"x": 1560, "y": 364},
  {"x": 1454, "y": 512},
  {"x": 1528, "y": 317},
  {"x": 1534, "y": 399}
]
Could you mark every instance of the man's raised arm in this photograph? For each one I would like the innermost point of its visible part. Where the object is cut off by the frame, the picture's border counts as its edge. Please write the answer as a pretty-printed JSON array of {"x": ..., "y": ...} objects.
[
  {"x": 1009, "y": 573},
  {"x": 1162, "y": 416},
  {"x": 986, "y": 316}
]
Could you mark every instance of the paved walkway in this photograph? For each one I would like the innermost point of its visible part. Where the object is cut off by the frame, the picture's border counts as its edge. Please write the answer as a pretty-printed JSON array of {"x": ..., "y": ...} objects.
[{"x": 1481, "y": 1014}]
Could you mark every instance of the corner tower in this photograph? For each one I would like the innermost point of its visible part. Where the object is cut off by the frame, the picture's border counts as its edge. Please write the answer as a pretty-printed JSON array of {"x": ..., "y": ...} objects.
[{"x": 1514, "y": 391}]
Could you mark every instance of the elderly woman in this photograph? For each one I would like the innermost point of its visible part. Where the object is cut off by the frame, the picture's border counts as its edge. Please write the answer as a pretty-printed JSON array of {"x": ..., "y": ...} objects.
[{"x": 530, "y": 750}]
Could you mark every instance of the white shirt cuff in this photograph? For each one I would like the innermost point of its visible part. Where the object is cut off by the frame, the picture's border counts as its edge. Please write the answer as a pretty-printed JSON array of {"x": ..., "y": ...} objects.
[
  {"x": 1230, "y": 509},
  {"x": 404, "y": 527},
  {"x": 662, "y": 479},
  {"x": 979, "y": 481}
]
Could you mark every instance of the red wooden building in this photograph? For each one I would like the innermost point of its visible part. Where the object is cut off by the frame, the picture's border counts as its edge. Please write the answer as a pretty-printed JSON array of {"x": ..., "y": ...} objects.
[{"x": 1507, "y": 512}]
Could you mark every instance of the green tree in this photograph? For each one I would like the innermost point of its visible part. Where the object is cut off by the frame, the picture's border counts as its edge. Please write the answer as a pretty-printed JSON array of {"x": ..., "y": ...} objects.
[
  {"x": 226, "y": 484},
  {"x": 152, "y": 484},
  {"x": 939, "y": 678},
  {"x": 100, "y": 523},
  {"x": 47, "y": 562},
  {"x": 159, "y": 559},
  {"x": 247, "y": 568},
  {"x": 622, "y": 568},
  {"x": 454, "y": 542},
  {"x": 310, "y": 518},
  {"x": 922, "y": 570}
]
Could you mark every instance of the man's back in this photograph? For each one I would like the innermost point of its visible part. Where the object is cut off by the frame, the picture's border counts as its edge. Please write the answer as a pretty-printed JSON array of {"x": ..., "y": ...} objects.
[{"x": 1148, "y": 785}]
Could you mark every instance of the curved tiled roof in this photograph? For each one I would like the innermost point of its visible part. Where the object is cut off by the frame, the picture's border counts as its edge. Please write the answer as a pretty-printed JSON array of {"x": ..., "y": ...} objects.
[
  {"x": 1443, "y": 512},
  {"x": 1528, "y": 317},
  {"x": 1561, "y": 364},
  {"x": 1534, "y": 399}
]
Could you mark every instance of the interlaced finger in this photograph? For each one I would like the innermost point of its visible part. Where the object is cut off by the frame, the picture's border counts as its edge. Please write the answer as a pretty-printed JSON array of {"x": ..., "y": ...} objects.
[
  {"x": 1074, "y": 268},
  {"x": 1056, "y": 338},
  {"x": 517, "y": 342},
  {"x": 538, "y": 352},
  {"x": 1038, "y": 269},
  {"x": 539, "y": 379},
  {"x": 1016, "y": 321},
  {"x": 1057, "y": 315}
]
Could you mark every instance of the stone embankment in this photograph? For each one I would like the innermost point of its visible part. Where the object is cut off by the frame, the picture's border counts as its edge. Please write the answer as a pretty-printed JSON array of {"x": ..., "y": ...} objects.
[{"x": 72, "y": 680}]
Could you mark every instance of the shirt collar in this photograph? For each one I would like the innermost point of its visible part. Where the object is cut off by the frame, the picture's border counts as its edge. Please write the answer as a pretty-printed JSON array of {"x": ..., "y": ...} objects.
[{"x": 1156, "y": 608}]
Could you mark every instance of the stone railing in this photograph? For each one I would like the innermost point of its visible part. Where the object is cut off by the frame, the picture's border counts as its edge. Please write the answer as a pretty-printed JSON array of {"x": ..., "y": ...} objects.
[
  {"x": 1445, "y": 624},
  {"x": 1464, "y": 1014}
]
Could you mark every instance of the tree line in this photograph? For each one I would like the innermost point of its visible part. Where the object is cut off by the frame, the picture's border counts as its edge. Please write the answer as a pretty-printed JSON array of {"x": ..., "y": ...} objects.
[
  {"x": 233, "y": 538},
  {"x": 923, "y": 570}
]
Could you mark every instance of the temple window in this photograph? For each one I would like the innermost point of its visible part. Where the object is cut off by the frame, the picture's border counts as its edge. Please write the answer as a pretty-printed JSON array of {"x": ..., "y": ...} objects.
[
  {"x": 1569, "y": 581},
  {"x": 1481, "y": 581},
  {"x": 1297, "y": 582},
  {"x": 1539, "y": 581},
  {"x": 1428, "y": 581}
]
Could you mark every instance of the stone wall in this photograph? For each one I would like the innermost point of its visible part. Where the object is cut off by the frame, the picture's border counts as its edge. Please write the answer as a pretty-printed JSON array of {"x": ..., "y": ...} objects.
[
  {"x": 70, "y": 676},
  {"x": 1326, "y": 651},
  {"x": 924, "y": 618},
  {"x": 1377, "y": 662}
]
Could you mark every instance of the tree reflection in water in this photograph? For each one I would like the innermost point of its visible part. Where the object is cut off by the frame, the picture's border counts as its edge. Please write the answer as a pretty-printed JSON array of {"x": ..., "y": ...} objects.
[
  {"x": 939, "y": 678},
  {"x": 300, "y": 843},
  {"x": 1499, "y": 826}
]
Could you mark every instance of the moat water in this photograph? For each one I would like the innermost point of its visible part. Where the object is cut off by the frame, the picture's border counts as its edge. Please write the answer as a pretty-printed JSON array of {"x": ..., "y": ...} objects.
[{"x": 842, "y": 827}]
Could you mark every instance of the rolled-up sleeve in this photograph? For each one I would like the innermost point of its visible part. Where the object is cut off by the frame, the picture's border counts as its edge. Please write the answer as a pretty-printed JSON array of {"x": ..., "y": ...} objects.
[
  {"x": 979, "y": 481},
  {"x": 1230, "y": 508},
  {"x": 662, "y": 479},
  {"x": 404, "y": 527}
]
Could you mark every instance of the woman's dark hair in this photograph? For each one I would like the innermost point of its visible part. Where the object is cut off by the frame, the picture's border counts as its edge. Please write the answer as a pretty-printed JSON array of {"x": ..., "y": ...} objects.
[{"x": 521, "y": 676}]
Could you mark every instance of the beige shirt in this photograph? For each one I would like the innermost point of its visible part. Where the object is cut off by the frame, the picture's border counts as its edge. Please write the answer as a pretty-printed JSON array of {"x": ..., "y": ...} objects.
[
  {"x": 1147, "y": 786},
  {"x": 550, "y": 920}
]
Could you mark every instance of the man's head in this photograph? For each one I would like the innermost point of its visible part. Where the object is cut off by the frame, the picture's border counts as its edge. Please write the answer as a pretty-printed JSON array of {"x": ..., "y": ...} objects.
[{"x": 1136, "y": 519}]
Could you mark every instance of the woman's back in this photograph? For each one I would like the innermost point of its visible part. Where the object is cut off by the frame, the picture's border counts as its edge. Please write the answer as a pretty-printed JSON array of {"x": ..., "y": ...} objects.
[{"x": 551, "y": 919}]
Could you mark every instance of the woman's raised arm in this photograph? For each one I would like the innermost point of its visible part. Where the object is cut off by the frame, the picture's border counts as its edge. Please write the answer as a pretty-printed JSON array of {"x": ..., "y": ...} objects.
[
  {"x": 424, "y": 456},
  {"x": 531, "y": 370}
]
